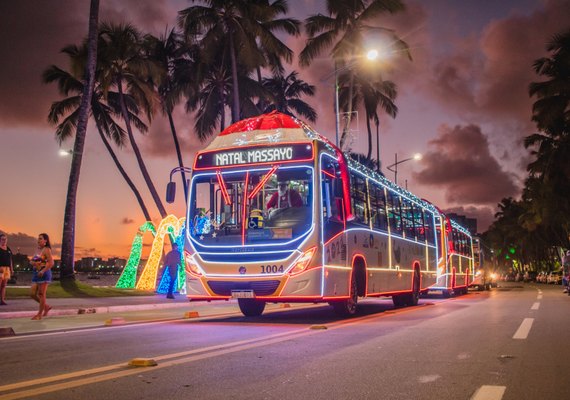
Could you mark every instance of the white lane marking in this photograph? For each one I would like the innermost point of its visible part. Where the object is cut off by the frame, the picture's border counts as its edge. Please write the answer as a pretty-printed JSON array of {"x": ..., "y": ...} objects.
[
  {"x": 524, "y": 329},
  {"x": 539, "y": 291},
  {"x": 539, "y": 297},
  {"x": 488, "y": 392},
  {"x": 535, "y": 306},
  {"x": 428, "y": 378}
]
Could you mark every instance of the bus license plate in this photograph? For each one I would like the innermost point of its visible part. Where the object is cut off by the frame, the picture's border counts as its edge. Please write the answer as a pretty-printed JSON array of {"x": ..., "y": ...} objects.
[{"x": 243, "y": 294}]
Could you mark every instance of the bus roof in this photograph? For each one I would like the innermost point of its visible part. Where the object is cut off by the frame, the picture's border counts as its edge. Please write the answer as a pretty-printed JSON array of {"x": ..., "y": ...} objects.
[{"x": 267, "y": 129}]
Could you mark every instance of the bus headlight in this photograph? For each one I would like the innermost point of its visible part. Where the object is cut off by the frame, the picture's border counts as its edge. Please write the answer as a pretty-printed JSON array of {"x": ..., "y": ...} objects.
[
  {"x": 303, "y": 261},
  {"x": 191, "y": 266}
]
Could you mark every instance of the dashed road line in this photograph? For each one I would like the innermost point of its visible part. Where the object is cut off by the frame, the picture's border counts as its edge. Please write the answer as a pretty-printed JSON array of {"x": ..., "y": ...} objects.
[
  {"x": 524, "y": 329},
  {"x": 535, "y": 306},
  {"x": 488, "y": 392},
  {"x": 539, "y": 297}
]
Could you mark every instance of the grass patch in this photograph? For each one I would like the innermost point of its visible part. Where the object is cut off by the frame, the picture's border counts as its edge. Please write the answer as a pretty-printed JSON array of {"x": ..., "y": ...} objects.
[{"x": 78, "y": 289}]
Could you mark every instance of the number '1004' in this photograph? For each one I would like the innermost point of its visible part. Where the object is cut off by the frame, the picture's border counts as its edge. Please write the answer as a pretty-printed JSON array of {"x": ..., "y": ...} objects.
[{"x": 271, "y": 269}]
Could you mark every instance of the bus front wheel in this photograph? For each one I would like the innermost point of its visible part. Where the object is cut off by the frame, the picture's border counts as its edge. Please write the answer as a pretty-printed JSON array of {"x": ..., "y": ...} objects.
[
  {"x": 347, "y": 308},
  {"x": 251, "y": 307}
]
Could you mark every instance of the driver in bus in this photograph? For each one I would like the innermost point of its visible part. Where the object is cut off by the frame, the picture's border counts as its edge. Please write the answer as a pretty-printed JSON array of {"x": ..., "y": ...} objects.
[{"x": 285, "y": 197}]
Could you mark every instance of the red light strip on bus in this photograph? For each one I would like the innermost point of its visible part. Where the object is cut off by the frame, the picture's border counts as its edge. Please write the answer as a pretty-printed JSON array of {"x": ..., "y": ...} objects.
[
  {"x": 222, "y": 184},
  {"x": 328, "y": 173},
  {"x": 244, "y": 209},
  {"x": 262, "y": 182}
]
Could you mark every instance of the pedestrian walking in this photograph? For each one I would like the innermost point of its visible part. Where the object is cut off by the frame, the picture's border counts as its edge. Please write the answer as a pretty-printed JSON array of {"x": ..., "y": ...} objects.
[
  {"x": 566, "y": 271},
  {"x": 6, "y": 266},
  {"x": 171, "y": 262},
  {"x": 42, "y": 262}
]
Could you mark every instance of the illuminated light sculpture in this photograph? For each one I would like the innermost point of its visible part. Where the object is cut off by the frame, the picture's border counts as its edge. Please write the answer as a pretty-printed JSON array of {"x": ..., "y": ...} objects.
[
  {"x": 181, "y": 276},
  {"x": 169, "y": 225},
  {"x": 128, "y": 278}
]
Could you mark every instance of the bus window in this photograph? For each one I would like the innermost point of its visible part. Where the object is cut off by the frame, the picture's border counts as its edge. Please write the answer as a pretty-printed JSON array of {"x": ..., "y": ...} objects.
[
  {"x": 261, "y": 206},
  {"x": 407, "y": 218},
  {"x": 419, "y": 223},
  {"x": 394, "y": 215},
  {"x": 429, "y": 227},
  {"x": 359, "y": 195},
  {"x": 333, "y": 221},
  {"x": 378, "y": 205}
]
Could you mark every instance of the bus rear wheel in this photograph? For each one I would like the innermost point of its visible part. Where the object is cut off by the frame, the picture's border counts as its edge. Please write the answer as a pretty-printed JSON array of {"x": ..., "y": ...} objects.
[
  {"x": 412, "y": 298},
  {"x": 251, "y": 307},
  {"x": 347, "y": 308}
]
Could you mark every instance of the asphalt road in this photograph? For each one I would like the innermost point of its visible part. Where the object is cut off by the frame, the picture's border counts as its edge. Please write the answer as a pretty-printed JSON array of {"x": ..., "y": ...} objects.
[{"x": 509, "y": 343}]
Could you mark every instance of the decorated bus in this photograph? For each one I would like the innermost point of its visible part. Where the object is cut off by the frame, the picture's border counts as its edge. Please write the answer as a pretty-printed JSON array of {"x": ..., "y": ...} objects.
[{"x": 277, "y": 213}]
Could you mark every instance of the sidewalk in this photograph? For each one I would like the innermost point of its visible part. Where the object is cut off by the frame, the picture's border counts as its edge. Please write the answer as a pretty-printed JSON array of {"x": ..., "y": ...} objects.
[
  {"x": 27, "y": 307},
  {"x": 79, "y": 313}
]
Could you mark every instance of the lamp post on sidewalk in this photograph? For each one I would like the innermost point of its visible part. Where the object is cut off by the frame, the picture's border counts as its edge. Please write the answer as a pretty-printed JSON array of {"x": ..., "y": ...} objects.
[
  {"x": 370, "y": 55},
  {"x": 394, "y": 167}
]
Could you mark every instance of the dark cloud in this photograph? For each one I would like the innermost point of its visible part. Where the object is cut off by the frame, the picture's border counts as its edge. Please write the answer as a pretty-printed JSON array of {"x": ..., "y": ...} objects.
[
  {"x": 460, "y": 163},
  {"x": 29, "y": 48},
  {"x": 127, "y": 221},
  {"x": 487, "y": 77}
]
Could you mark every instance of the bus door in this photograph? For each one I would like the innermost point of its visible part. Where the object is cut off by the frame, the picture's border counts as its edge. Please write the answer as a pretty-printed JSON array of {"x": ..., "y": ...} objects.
[{"x": 333, "y": 215}]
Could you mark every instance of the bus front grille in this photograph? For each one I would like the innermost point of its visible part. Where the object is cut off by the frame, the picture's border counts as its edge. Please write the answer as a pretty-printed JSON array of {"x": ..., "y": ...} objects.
[{"x": 260, "y": 288}]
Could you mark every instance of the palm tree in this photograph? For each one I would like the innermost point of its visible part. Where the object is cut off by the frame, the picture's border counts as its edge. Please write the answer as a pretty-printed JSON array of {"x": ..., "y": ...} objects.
[
  {"x": 67, "y": 274},
  {"x": 240, "y": 30},
  {"x": 551, "y": 146},
  {"x": 373, "y": 92},
  {"x": 129, "y": 71},
  {"x": 172, "y": 54},
  {"x": 273, "y": 49},
  {"x": 67, "y": 112},
  {"x": 286, "y": 92},
  {"x": 349, "y": 20}
]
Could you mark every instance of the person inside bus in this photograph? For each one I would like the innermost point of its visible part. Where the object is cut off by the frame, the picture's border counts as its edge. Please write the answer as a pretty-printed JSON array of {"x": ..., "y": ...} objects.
[{"x": 285, "y": 197}]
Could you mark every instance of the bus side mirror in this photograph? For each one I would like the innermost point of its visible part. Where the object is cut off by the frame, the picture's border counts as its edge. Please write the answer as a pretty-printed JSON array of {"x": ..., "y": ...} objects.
[{"x": 170, "y": 192}]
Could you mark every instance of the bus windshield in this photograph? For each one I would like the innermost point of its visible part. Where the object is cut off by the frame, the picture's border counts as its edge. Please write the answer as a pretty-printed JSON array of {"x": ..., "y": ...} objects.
[{"x": 249, "y": 207}]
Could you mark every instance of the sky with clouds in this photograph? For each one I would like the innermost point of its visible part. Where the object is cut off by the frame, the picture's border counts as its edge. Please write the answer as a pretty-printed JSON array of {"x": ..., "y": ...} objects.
[{"x": 462, "y": 101}]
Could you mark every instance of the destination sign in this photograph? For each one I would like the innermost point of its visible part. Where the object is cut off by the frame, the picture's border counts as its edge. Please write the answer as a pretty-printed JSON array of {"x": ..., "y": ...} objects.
[{"x": 255, "y": 155}]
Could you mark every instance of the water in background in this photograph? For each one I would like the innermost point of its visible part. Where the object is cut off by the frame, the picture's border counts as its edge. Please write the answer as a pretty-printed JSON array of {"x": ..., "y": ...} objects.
[{"x": 25, "y": 279}]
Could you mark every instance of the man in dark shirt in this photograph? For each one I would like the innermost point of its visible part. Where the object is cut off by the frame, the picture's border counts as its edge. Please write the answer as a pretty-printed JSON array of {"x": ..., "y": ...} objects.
[{"x": 172, "y": 260}]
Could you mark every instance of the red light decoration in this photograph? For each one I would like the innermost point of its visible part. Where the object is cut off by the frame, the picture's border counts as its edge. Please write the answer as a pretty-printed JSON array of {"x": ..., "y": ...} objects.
[
  {"x": 262, "y": 182},
  {"x": 244, "y": 210},
  {"x": 272, "y": 120},
  {"x": 224, "y": 188}
]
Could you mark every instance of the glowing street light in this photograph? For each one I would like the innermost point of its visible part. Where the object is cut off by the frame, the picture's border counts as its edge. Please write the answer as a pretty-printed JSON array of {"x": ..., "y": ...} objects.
[
  {"x": 394, "y": 167},
  {"x": 371, "y": 55},
  {"x": 65, "y": 153}
]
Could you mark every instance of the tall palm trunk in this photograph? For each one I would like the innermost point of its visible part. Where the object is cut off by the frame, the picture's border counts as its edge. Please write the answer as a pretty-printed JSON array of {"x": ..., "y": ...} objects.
[
  {"x": 138, "y": 155},
  {"x": 124, "y": 174},
  {"x": 179, "y": 154},
  {"x": 67, "y": 273},
  {"x": 348, "y": 118},
  {"x": 235, "y": 89},
  {"x": 369, "y": 154}
]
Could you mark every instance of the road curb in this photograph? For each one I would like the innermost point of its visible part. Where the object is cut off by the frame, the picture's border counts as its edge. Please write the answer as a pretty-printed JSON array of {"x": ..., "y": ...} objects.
[{"x": 94, "y": 310}]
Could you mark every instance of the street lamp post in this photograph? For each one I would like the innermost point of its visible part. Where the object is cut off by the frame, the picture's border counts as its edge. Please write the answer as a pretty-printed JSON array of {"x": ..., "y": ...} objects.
[
  {"x": 394, "y": 167},
  {"x": 370, "y": 55}
]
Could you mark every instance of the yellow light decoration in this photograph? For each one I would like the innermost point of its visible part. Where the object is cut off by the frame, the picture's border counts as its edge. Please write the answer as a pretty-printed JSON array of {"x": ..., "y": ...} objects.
[{"x": 169, "y": 225}]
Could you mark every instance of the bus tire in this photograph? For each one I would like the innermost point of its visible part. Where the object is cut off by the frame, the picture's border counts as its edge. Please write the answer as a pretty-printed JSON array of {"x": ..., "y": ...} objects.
[
  {"x": 348, "y": 307},
  {"x": 251, "y": 307},
  {"x": 412, "y": 298},
  {"x": 398, "y": 300}
]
